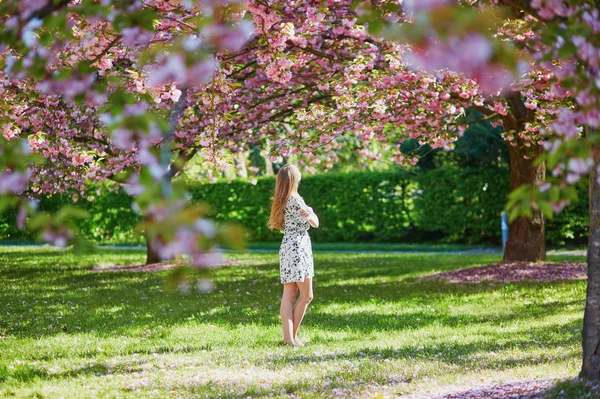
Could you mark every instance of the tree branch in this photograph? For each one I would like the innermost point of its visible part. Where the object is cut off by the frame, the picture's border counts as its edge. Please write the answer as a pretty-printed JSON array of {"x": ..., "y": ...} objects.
[
  {"x": 519, "y": 6},
  {"x": 484, "y": 110},
  {"x": 180, "y": 22},
  {"x": 165, "y": 146},
  {"x": 106, "y": 50},
  {"x": 289, "y": 110},
  {"x": 316, "y": 52},
  {"x": 181, "y": 160}
]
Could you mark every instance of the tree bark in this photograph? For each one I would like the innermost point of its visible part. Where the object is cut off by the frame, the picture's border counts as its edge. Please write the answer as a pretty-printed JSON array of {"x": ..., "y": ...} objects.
[
  {"x": 526, "y": 236},
  {"x": 151, "y": 253},
  {"x": 590, "y": 334},
  {"x": 170, "y": 168},
  {"x": 269, "y": 167},
  {"x": 241, "y": 159}
]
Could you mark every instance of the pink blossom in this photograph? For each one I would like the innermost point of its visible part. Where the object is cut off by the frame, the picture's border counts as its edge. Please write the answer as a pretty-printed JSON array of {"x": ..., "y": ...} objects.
[
  {"x": 133, "y": 186},
  {"x": 136, "y": 36},
  {"x": 206, "y": 227},
  {"x": 58, "y": 237},
  {"x": 28, "y": 32},
  {"x": 558, "y": 206},
  {"x": 122, "y": 138},
  {"x": 278, "y": 70},
  {"x": 499, "y": 108},
  {"x": 314, "y": 16},
  {"x": 69, "y": 88},
  {"x": 263, "y": 18},
  {"x": 416, "y": 6},
  {"x": 579, "y": 165},
  {"x": 185, "y": 241},
  {"x": 547, "y": 9},
  {"x": 530, "y": 103},
  {"x": 202, "y": 72},
  {"x": 13, "y": 182},
  {"x": 21, "y": 217},
  {"x": 174, "y": 70},
  {"x": 591, "y": 117},
  {"x": 10, "y": 133},
  {"x": 229, "y": 38},
  {"x": 12, "y": 23},
  {"x": 105, "y": 63},
  {"x": 591, "y": 19},
  {"x": 28, "y": 7}
]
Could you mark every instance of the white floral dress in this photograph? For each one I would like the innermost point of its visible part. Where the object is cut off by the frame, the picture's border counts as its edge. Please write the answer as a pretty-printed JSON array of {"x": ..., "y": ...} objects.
[{"x": 295, "y": 254}]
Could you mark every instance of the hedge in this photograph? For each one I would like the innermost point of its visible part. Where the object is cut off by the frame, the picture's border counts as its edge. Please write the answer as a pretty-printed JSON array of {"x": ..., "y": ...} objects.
[
  {"x": 462, "y": 205},
  {"x": 448, "y": 205}
]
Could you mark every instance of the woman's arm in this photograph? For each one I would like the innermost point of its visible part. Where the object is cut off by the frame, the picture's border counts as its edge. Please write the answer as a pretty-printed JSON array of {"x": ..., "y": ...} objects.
[{"x": 312, "y": 218}]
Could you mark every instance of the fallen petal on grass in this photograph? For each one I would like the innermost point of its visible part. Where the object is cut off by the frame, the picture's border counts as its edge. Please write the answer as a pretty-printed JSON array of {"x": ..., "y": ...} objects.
[{"x": 515, "y": 271}]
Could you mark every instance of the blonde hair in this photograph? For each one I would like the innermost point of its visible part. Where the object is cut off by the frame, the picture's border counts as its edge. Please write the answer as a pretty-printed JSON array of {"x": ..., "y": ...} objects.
[{"x": 288, "y": 179}]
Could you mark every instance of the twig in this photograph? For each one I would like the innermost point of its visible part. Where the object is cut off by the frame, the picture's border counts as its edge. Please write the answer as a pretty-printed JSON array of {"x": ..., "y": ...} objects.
[{"x": 106, "y": 50}]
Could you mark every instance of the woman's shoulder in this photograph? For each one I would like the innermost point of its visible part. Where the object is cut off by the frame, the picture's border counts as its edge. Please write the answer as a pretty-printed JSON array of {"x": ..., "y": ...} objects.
[
  {"x": 295, "y": 198},
  {"x": 300, "y": 200}
]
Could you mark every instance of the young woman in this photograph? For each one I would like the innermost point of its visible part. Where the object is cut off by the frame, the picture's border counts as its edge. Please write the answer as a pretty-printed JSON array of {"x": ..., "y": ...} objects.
[{"x": 293, "y": 217}]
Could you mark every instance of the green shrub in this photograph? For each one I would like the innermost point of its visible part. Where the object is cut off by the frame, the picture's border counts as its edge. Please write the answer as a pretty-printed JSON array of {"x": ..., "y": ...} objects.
[
  {"x": 241, "y": 201},
  {"x": 370, "y": 206},
  {"x": 571, "y": 225},
  {"x": 461, "y": 205},
  {"x": 449, "y": 205},
  {"x": 351, "y": 207}
]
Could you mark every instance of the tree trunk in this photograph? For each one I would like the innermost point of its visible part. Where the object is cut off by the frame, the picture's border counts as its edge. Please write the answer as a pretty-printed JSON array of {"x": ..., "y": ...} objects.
[
  {"x": 590, "y": 334},
  {"x": 241, "y": 160},
  {"x": 526, "y": 237},
  {"x": 269, "y": 167},
  {"x": 151, "y": 253},
  {"x": 170, "y": 168}
]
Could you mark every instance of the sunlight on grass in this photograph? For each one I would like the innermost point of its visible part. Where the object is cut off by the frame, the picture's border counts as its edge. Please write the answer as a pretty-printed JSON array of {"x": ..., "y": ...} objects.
[{"x": 374, "y": 327}]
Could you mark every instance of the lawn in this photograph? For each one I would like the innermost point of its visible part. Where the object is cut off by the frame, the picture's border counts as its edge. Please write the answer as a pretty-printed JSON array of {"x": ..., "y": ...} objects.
[{"x": 373, "y": 328}]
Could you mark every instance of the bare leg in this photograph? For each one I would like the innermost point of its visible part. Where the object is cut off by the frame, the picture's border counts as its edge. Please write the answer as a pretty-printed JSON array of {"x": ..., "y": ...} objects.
[
  {"x": 287, "y": 313},
  {"x": 306, "y": 295}
]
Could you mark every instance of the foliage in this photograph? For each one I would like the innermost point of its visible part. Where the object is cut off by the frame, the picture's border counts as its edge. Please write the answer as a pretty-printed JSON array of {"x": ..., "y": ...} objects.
[
  {"x": 571, "y": 225},
  {"x": 111, "y": 217},
  {"x": 84, "y": 81},
  {"x": 450, "y": 205},
  {"x": 373, "y": 328},
  {"x": 463, "y": 205},
  {"x": 481, "y": 145}
]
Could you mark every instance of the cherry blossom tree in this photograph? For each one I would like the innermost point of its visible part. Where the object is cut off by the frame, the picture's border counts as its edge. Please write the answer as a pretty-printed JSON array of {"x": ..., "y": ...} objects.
[
  {"x": 131, "y": 90},
  {"x": 569, "y": 50},
  {"x": 95, "y": 91},
  {"x": 375, "y": 93},
  {"x": 298, "y": 87}
]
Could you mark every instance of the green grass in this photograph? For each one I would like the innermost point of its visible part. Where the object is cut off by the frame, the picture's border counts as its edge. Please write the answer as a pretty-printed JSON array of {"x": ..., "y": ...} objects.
[{"x": 373, "y": 327}]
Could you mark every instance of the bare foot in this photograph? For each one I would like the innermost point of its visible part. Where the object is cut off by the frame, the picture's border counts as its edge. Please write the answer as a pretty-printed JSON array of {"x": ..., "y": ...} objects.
[
  {"x": 298, "y": 342},
  {"x": 292, "y": 343}
]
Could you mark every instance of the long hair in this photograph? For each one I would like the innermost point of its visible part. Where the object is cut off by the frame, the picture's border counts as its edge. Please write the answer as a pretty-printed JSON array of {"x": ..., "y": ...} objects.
[{"x": 288, "y": 179}]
